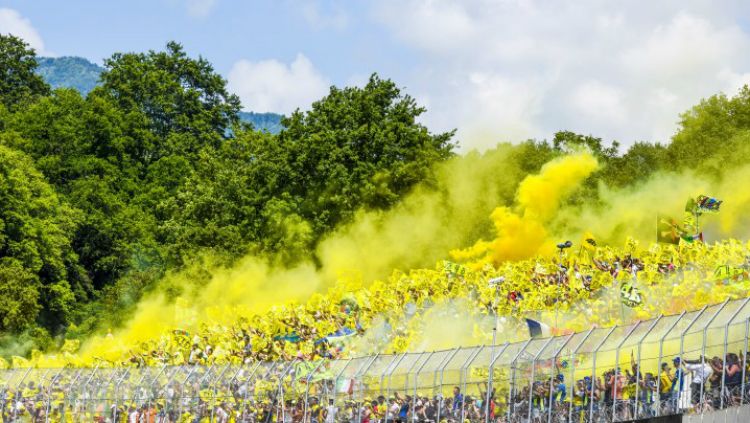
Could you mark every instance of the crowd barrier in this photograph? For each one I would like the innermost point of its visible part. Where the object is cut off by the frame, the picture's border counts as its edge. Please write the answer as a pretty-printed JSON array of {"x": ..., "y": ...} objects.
[{"x": 600, "y": 375}]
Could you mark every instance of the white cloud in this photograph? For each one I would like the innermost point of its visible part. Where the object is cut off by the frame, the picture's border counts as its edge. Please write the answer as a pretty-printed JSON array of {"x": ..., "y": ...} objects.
[
  {"x": 599, "y": 101},
  {"x": 11, "y": 22},
  {"x": 514, "y": 69},
  {"x": 273, "y": 86},
  {"x": 335, "y": 17},
  {"x": 200, "y": 8}
]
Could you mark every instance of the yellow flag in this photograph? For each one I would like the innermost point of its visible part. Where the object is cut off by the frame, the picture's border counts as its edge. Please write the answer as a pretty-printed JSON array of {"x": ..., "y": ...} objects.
[{"x": 588, "y": 241}]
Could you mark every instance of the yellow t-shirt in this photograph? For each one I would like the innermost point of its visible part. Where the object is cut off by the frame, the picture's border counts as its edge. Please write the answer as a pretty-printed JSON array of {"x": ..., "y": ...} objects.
[{"x": 665, "y": 383}]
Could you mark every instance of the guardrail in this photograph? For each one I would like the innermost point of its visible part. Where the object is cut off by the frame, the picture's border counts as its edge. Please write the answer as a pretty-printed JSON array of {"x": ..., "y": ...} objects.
[{"x": 600, "y": 375}]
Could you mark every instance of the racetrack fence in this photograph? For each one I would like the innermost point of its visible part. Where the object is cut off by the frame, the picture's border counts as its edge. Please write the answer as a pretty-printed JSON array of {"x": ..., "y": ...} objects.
[{"x": 613, "y": 374}]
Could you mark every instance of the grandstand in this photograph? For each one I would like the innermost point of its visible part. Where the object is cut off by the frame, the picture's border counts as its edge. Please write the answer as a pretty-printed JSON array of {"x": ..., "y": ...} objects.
[
  {"x": 540, "y": 379},
  {"x": 639, "y": 334}
]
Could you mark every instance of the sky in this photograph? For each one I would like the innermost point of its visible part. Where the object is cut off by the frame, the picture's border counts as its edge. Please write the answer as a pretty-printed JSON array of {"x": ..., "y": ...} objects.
[{"x": 496, "y": 70}]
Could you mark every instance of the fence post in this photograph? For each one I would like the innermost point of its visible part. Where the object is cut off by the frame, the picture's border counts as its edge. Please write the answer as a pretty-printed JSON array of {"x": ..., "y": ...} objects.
[
  {"x": 617, "y": 367},
  {"x": 553, "y": 375},
  {"x": 726, "y": 339},
  {"x": 512, "y": 378},
  {"x": 284, "y": 373},
  {"x": 182, "y": 391},
  {"x": 442, "y": 373},
  {"x": 573, "y": 371},
  {"x": 390, "y": 375},
  {"x": 247, "y": 382},
  {"x": 15, "y": 396},
  {"x": 658, "y": 363},
  {"x": 595, "y": 352},
  {"x": 66, "y": 395},
  {"x": 416, "y": 386},
  {"x": 491, "y": 370},
  {"x": 308, "y": 381},
  {"x": 85, "y": 386},
  {"x": 531, "y": 379},
  {"x": 49, "y": 395},
  {"x": 744, "y": 360},
  {"x": 168, "y": 405},
  {"x": 392, "y": 365},
  {"x": 681, "y": 369},
  {"x": 639, "y": 374},
  {"x": 723, "y": 357},
  {"x": 406, "y": 380},
  {"x": 216, "y": 390},
  {"x": 109, "y": 381},
  {"x": 336, "y": 380},
  {"x": 151, "y": 387},
  {"x": 117, "y": 394},
  {"x": 462, "y": 379},
  {"x": 357, "y": 377}
]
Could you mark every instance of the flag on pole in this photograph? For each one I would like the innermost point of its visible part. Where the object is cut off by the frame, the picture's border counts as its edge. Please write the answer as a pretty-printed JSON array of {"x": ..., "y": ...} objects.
[
  {"x": 706, "y": 204},
  {"x": 538, "y": 329},
  {"x": 453, "y": 269}
]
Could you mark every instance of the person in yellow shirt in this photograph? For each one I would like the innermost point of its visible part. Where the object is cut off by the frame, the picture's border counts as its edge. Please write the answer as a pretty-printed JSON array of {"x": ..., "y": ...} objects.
[{"x": 665, "y": 384}]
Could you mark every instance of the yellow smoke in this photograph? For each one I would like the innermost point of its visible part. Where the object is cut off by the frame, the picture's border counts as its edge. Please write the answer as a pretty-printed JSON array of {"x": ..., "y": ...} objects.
[
  {"x": 522, "y": 233},
  {"x": 420, "y": 231}
]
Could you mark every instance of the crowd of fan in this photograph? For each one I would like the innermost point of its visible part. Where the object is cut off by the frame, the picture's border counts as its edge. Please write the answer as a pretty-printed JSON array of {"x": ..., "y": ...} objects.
[
  {"x": 294, "y": 394},
  {"x": 582, "y": 285},
  {"x": 576, "y": 283}
]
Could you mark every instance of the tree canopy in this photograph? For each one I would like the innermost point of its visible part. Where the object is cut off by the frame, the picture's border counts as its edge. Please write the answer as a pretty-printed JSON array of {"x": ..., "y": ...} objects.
[{"x": 18, "y": 81}]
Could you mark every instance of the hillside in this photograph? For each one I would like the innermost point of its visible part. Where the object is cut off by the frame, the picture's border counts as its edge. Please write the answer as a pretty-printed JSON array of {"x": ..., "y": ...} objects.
[
  {"x": 270, "y": 122},
  {"x": 81, "y": 74},
  {"x": 69, "y": 72}
]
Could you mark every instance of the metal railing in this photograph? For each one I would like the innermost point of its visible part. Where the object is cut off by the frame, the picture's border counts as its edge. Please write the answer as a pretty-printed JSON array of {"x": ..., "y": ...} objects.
[{"x": 691, "y": 363}]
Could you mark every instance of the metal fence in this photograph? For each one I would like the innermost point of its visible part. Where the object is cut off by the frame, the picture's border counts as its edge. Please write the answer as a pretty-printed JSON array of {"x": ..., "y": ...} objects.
[{"x": 600, "y": 375}]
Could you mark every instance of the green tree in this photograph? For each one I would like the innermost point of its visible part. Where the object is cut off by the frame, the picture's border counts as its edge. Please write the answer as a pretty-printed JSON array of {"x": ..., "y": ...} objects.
[
  {"x": 714, "y": 135},
  {"x": 18, "y": 82},
  {"x": 185, "y": 103},
  {"x": 39, "y": 273},
  {"x": 358, "y": 147},
  {"x": 85, "y": 149}
]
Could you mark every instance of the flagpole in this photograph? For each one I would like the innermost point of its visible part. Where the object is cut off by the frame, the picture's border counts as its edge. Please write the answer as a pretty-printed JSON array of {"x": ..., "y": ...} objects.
[{"x": 559, "y": 276}]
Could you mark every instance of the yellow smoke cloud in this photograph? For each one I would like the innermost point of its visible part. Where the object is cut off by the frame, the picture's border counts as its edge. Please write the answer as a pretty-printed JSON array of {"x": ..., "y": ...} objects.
[
  {"x": 522, "y": 233},
  {"x": 419, "y": 231}
]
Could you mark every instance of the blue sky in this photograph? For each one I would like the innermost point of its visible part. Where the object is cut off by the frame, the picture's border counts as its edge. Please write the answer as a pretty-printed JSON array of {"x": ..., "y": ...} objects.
[
  {"x": 498, "y": 70},
  {"x": 342, "y": 41}
]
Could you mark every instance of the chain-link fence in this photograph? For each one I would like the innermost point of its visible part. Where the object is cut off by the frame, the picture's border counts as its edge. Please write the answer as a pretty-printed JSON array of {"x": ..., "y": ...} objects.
[{"x": 691, "y": 363}]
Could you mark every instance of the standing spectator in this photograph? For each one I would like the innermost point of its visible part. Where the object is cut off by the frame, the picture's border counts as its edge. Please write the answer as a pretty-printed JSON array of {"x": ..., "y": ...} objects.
[
  {"x": 458, "y": 402},
  {"x": 678, "y": 383},
  {"x": 665, "y": 385},
  {"x": 700, "y": 372}
]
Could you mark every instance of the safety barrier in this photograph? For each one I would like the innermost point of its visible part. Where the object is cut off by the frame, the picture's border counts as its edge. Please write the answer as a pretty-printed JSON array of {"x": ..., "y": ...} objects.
[{"x": 600, "y": 375}]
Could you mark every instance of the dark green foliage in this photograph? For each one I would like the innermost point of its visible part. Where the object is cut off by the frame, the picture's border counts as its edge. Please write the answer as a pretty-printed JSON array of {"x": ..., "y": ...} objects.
[
  {"x": 184, "y": 101},
  {"x": 18, "y": 82},
  {"x": 69, "y": 72},
  {"x": 358, "y": 147},
  {"x": 41, "y": 280},
  {"x": 83, "y": 76}
]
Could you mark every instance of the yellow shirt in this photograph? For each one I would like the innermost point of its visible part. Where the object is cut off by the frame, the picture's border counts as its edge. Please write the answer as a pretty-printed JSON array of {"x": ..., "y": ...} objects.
[{"x": 665, "y": 383}]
